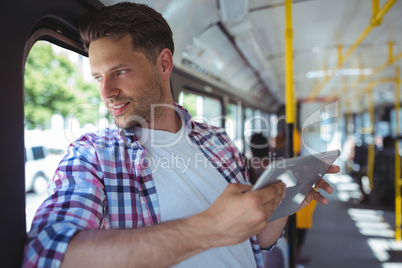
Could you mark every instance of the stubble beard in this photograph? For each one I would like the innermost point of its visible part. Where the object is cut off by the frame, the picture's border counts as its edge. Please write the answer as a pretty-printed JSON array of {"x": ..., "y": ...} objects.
[{"x": 144, "y": 110}]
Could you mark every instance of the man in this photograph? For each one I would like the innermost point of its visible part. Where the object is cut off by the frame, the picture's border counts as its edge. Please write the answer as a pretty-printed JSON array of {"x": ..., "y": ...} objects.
[
  {"x": 113, "y": 204},
  {"x": 260, "y": 159},
  {"x": 259, "y": 147}
]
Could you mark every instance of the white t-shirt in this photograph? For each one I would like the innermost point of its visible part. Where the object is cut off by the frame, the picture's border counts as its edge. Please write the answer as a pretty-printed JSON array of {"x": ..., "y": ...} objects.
[{"x": 187, "y": 184}]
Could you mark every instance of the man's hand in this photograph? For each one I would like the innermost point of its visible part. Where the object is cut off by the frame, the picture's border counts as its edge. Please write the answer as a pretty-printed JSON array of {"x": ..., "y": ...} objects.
[
  {"x": 322, "y": 184},
  {"x": 237, "y": 214}
]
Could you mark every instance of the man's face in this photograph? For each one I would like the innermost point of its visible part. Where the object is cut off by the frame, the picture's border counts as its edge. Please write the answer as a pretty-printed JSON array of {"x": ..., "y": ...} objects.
[{"x": 128, "y": 83}]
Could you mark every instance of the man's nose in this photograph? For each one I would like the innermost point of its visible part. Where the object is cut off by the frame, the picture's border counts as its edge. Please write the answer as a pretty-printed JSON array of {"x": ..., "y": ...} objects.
[{"x": 108, "y": 88}]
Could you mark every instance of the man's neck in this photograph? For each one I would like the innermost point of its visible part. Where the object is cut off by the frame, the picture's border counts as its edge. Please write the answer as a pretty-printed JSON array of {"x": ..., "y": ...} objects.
[{"x": 166, "y": 119}]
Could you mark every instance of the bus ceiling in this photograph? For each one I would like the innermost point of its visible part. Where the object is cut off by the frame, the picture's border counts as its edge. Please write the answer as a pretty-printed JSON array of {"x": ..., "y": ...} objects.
[{"x": 339, "y": 48}]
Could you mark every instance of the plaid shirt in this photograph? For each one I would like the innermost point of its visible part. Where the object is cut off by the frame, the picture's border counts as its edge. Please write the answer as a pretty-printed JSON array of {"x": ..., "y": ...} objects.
[{"x": 103, "y": 182}]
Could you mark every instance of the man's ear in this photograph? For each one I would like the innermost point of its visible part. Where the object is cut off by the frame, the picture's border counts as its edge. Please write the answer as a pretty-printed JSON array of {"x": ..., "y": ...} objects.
[{"x": 165, "y": 61}]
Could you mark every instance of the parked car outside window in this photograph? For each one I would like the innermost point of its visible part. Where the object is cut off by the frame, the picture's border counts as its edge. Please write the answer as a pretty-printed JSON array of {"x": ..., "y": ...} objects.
[{"x": 40, "y": 167}]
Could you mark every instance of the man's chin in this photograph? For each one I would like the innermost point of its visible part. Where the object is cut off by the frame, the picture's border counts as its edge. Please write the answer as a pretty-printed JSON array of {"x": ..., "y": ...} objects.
[{"x": 133, "y": 121}]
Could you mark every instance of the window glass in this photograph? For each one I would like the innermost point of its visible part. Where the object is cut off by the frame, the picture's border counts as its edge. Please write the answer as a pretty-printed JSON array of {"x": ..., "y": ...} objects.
[
  {"x": 273, "y": 123},
  {"x": 265, "y": 124},
  {"x": 61, "y": 103},
  {"x": 258, "y": 120},
  {"x": 248, "y": 129},
  {"x": 212, "y": 109},
  {"x": 201, "y": 108},
  {"x": 38, "y": 152},
  {"x": 382, "y": 128},
  {"x": 358, "y": 124},
  {"x": 393, "y": 122},
  {"x": 234, "y": 124},
  {"x": 249, "y": 123},
  {"x": 366, "y": 131},
  {"x": 255, "y": 122},
  {"x": 189, "y": 101}
]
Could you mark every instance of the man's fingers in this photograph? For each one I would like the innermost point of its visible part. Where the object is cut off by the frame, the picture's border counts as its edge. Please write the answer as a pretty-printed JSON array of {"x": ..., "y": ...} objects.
[
  {"x": 240, "y": 188},
  {"x": 274, "y": 191},
  {"x": 322, "y": 184},
  {"x": 318, "y": 197},
  {"x": 334, "y": 169}
]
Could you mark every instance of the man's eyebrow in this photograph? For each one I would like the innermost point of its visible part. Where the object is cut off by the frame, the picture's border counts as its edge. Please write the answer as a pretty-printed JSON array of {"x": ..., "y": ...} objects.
[{"x": 123, "y": 65}]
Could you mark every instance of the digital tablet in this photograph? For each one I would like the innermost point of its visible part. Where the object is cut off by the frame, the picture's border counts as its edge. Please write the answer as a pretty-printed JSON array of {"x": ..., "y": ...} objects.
[{"x": 300, "y": 174}]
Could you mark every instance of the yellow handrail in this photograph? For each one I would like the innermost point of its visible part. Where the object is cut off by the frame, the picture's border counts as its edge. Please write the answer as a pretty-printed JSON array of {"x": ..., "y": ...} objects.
[
  {"x": 353, "y": 85},
  {"x": 375, "y": 21},
  {"x": 373, "y": 84}
]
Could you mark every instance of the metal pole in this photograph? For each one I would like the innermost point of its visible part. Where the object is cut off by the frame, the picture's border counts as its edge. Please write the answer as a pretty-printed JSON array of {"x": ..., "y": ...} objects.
[
  {"x": 290, "y": 120},
  {"x": 398, "y": 199},
  {"x": 371, "y": 149}
]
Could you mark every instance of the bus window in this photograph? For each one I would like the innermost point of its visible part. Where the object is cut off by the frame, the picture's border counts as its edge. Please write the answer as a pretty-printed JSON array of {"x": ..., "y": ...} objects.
[
  {"x": 358, "y": 123},
  {"x": 61, "y": 103},
  {"x": 261, "y": 122},
  {"x": 383, "y": 123},
  {"x": 367, "y": 127},
  {"x": 393, "y": 122},
  {"x": 255, "y": 122},
  {"x": 273, "y": 125},
  {"x": 234, "y": 124},
  {"x": 202, "y": 108},
  {"x": 248, "y": 129},
  {"x": 248, "y": 123}
]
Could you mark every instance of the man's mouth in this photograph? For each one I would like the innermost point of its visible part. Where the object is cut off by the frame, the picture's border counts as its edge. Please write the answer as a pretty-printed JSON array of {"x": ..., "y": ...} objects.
[
  {"x": 118, "y": 109},
  {"x": 118, "y": 106}
]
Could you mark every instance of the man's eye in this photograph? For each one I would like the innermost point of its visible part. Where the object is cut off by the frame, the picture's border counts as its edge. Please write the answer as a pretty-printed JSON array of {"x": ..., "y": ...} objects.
[
  {"x": 121, "y": 72},
  {"x": 98, "y": 78}
]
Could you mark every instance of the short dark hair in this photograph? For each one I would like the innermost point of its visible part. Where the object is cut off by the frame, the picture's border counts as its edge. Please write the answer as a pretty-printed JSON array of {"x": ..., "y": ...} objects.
[
  {"x": 259, "y": 145},
  {"x": 149, "y": 30}
]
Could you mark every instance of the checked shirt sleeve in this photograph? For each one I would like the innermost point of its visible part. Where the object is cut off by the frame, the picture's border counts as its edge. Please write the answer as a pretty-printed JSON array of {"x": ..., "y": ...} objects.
[{"x": 76, "y": 202}]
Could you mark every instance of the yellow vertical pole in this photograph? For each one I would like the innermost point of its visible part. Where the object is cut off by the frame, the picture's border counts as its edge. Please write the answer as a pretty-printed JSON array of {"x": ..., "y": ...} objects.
[
  {"x": 290, "y": 120},
  {"x": 340, "y": 58},
  {"x": 370, "y": 160},
  {"x": 398, "y": 199},
  {"x": 397, "y": 99},
  {"x": 290, "y": 113},
  {"x": 390, "y": 52},
  {"x": 376, "y": 7}
]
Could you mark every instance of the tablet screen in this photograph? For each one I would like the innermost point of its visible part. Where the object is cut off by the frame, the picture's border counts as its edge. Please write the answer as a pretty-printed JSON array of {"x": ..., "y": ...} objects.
[{"x": 300, "y": 174}]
